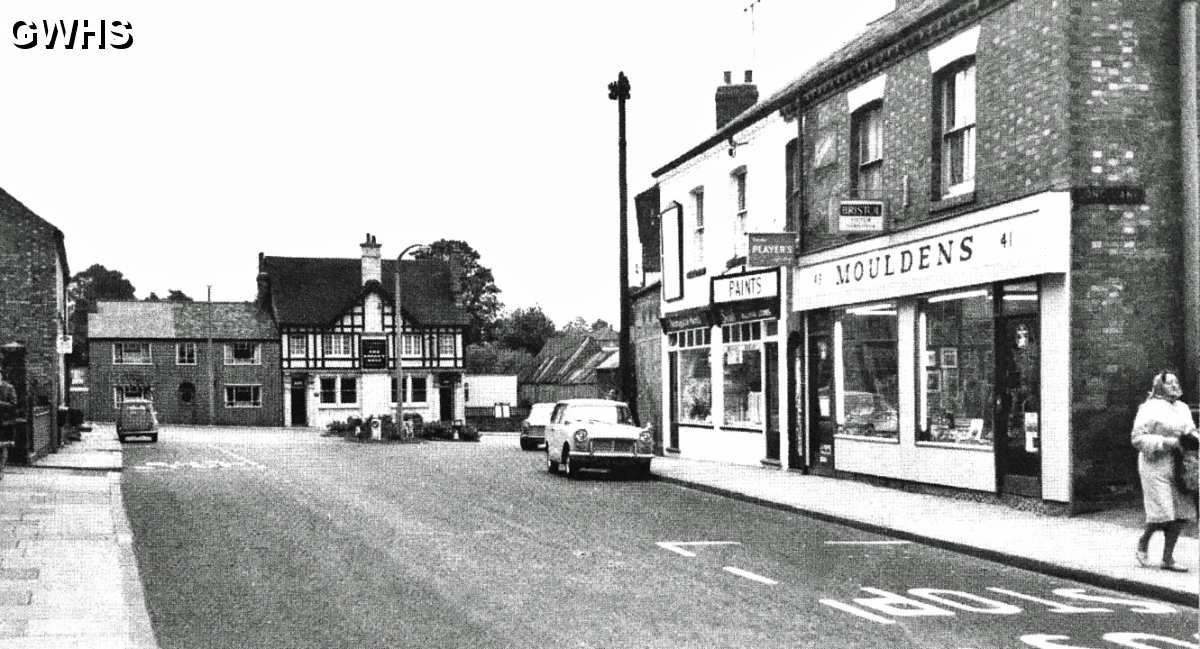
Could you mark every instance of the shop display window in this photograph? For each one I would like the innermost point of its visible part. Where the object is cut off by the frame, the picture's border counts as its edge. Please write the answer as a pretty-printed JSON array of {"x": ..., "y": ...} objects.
[
  {"x": 695, "y": 375},
  {"x": 956, "y": 339},
  {"x": 869, "y": 387},
  {"x": 742, "y": 374}
]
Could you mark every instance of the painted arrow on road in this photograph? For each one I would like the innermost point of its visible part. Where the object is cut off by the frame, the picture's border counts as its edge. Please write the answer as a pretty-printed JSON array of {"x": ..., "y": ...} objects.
[{"x": 674, "y": 546}]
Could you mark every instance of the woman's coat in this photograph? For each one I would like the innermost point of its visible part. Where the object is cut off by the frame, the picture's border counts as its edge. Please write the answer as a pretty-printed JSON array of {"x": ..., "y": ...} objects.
[{"x": 1156, "y": 421}]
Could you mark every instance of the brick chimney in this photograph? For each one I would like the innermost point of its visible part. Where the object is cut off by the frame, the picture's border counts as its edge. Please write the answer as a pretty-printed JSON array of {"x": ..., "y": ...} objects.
[
  {"x": 263, "y": 298},
  {"x": 372, "y": 266},
  {"x": 456, "y": 284},
  {"x": 732, "y": 99}
]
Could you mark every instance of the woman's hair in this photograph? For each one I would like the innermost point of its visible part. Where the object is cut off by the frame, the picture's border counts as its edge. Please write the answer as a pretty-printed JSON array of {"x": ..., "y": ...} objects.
[{"x": 1158, "y": 388}]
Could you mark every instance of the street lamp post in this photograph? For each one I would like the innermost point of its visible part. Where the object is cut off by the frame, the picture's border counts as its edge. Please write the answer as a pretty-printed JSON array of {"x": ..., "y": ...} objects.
[
  {"x": 619, "y": 91},
  {"x": 398, "y": 327}
]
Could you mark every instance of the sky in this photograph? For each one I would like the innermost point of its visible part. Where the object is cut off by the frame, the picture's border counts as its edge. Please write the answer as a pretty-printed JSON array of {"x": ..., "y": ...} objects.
[{"x": 293, "y": 128}]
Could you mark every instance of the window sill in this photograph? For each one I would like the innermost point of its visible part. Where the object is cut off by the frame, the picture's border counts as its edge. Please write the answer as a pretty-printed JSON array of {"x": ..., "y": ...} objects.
[
  {"x": 951, "y": 202},
  {"x": 741, "y": 429},
  {"x": 233, "y": 407},
  {"x": 697, "y": 272},
  {"x": 869, "y": 440},
  {"x": 984, "y": 448},
  {"x": 695, "y": 424},
  {"x": 227, "y": 364}
]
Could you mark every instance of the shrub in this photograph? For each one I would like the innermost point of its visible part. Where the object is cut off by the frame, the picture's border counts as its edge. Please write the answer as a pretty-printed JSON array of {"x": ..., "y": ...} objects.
[
  {"x": 388, "y": 428},
  {"x": 468, "y": 433},
  {"x": 417, "y": 423},
  {"x": 364, "y": 428},
  {"x": 75, "y": 417},
  {"x": 438, "y": 430}
]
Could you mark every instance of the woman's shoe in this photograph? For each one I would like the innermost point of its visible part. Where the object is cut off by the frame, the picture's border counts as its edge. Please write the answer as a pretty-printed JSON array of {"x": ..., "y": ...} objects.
[
  {"x": 1173, "y": 567},
  {"x": 1142, "y": 559}
]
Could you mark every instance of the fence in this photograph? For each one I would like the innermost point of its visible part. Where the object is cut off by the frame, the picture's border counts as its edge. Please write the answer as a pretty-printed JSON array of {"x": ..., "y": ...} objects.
[{"x": 485, "y": 419}]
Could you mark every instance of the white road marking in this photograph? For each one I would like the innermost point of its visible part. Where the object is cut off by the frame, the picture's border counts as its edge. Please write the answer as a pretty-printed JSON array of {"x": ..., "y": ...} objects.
[
  {"x": 751, "y": 576},
  {"x": 673, "y": 546},
  {"x": 239, "y": 457},
  {"x": 854, "y": 610},
  {"x": 867, "y": 542}
]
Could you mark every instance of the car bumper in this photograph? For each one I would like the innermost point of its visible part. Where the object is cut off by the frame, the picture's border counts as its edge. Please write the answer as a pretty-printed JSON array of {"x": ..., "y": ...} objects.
[
  {"x": 533, "y": 437},
  {"x": 607, "y": 459}
]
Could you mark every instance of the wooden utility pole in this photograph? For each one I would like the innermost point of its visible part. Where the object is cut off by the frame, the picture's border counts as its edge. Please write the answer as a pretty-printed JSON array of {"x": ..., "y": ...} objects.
[{"x": 619, "y": 91}]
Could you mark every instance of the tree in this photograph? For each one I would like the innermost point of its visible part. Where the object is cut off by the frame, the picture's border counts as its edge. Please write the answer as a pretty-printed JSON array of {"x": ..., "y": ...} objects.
[
  {"x": 527, "y": 329},
  {"x": 174, "y": 295},
  {"x": 478, "y": 285},
  {"x": 84, "y": 289},
  {"x": 153, "y": 297},
  {"x": 599, "y": 324},
  {"x": 577, "y": 326}
]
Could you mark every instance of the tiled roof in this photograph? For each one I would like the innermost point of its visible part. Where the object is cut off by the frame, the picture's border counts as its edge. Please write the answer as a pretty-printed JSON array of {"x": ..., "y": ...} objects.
[
  {"x": 168, "y": 320},
  {"x": 318, "y": 291},
  {"x": 876, "y": 35},
  {"x": 570, "y": 358}
]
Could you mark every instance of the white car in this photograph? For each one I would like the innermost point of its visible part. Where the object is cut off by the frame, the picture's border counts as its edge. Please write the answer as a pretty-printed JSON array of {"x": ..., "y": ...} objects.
[
  {"x": 533, "y": 429},
  {"x": 596, "y": 433}
]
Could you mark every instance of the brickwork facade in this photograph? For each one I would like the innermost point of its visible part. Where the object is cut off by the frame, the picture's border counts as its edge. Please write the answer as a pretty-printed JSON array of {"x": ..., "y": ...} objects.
[
  {"x": 646, "y": 335},
  {"x": 33, "y": 271},
  {"x": 167, "y": 381}
]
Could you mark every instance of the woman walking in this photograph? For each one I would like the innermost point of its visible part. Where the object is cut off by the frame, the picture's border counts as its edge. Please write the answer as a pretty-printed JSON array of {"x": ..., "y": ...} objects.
[{"x": 1163, "y": 425}]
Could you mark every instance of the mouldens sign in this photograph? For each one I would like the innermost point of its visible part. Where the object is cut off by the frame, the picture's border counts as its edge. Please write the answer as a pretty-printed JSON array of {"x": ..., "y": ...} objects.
[
  {"x": 1031, "y": 243},
  {"x": 745, "y": 286}
]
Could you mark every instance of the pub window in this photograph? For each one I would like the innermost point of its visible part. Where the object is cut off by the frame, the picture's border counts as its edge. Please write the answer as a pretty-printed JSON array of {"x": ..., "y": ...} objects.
[
  {"x": 955, "y": 343},
  {"x": 412, "y": 344},
  {"x": 328, "y": 389},
  {"x": 695, "y": 375},
  {"x": 185, "y": 353},
  {"x": 866, "y": 150},
  {"x": 867, "y": 394},
  {"x": 954, "y": 122},
  {"x": 337, "y": 345},
  {"x": 446, "y": 345},
  {"x": 348, "y": 390},
  {"x": 297, "y": 345},
  {"x": 243, "y": 353},
  {"x": 418, "y": 389}
]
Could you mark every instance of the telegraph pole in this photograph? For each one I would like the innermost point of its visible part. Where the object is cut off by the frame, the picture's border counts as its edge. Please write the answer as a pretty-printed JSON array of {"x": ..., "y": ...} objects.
[{"x": 619, "y": 91}]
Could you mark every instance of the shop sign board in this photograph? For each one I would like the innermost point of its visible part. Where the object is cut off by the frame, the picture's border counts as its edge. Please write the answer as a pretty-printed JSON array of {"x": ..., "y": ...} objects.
[
  {"x": 989, "y": 247},
  {"x": 374, "y": 354},
  {"x": 64, "y": 344},
  {"x": 687, "y": 319},
  {"x": 734, "y": 312},
  {"x": 771, "y": 248},
  {"x": 855, "y": 215},
  {"x": 745, "y": 286}
]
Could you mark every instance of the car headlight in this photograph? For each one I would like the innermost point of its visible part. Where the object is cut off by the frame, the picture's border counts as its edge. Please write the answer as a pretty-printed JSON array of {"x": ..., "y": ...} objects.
[{"x": 581, "y": 436}]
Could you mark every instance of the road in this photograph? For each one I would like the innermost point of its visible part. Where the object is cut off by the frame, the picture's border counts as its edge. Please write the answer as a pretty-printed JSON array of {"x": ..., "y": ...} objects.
[{"x": 273, "y": 538}]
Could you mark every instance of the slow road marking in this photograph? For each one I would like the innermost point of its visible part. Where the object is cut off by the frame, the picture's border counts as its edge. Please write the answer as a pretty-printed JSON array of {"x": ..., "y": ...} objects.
[
  {"x": 674, "y": 546},
  {"x": 867, "y": 542},
  {"x": 751, "y": 576}
]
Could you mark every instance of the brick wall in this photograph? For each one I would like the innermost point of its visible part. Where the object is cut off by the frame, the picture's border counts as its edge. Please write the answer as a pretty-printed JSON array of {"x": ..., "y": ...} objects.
[
  {"x": 29, "y": 300},
  {"x": 646, "y": 337},
  {"x": 1126, "y": 310},
  {"x": 165, "y": 377}
]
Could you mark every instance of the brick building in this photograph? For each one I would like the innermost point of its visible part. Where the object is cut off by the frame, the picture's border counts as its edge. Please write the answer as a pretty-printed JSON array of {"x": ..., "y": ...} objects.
[
  {"x": 997, "y": 224},
  {"x": 33, "y": 315},
  {"x": 161, "y": 351}
]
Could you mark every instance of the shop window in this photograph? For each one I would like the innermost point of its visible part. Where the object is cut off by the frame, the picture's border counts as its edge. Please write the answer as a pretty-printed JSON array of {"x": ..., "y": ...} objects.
[
  {"x": 695, "y": 375},
  {"x": 867, "y": 396},
  {"x": 956, "y": 339},
  {"x": 742, "y": 364}
]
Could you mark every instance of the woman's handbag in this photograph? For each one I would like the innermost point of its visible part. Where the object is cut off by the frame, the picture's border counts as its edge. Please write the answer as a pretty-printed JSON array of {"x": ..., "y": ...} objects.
[{"x": 1187, "y": 472}]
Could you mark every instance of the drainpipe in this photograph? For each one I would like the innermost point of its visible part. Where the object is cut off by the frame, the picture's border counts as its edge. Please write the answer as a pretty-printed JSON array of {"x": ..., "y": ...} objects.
[{"x": 1190, "y": 159}]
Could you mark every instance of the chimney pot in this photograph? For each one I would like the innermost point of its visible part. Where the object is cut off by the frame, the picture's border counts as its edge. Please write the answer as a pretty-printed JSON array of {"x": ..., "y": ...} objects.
[
  {"x": 728, "y": 77},
  {"x": 749, "y": 76}
]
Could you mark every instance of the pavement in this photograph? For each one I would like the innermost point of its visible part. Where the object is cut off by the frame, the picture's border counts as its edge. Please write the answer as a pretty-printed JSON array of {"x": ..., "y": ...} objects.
[{"x": 69, "y": 578}]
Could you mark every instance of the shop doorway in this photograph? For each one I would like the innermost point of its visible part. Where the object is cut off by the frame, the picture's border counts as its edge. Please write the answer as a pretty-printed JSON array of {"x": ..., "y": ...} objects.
[
  {"x": 772, "y": 400},
  {"x": 820, "y": 421},
  {"x": 673, "y": 400},
  {"x": 299, "y": 399},
  {"x": 1018, "y": 391}
]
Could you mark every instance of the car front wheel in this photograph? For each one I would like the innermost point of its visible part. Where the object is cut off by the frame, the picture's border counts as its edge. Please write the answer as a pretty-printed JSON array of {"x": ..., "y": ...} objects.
[
  {"x": 551, "y": 465},
  {"x": 571, "y": 468}
]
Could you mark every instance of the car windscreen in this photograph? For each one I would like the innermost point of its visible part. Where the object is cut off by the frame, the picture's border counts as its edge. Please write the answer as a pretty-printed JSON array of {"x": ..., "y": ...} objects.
[
  {"x": 607, "y": 414},
  {"x": 539, "y": 414}
]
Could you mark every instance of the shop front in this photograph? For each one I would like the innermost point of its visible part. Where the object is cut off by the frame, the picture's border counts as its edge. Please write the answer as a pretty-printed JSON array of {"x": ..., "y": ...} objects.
[
  {"x": 940, "y": 354},
  {"x": 723, "y": 373}
]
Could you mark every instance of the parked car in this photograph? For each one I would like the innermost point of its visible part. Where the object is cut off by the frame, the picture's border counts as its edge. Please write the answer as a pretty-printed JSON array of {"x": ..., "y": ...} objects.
[
  {"x": 596, "y": 433},
  {"x": 137, "y": 417},
  {"x": 533, "y": 429}
]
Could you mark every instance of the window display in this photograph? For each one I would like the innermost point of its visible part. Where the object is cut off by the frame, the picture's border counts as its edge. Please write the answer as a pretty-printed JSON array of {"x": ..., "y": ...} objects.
[
  {"x": 867, "y": 395},
  {"x": 695, "y": 375},
  {"x": 742, "y": 375},
  {"x": 955, "y": 336}
]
